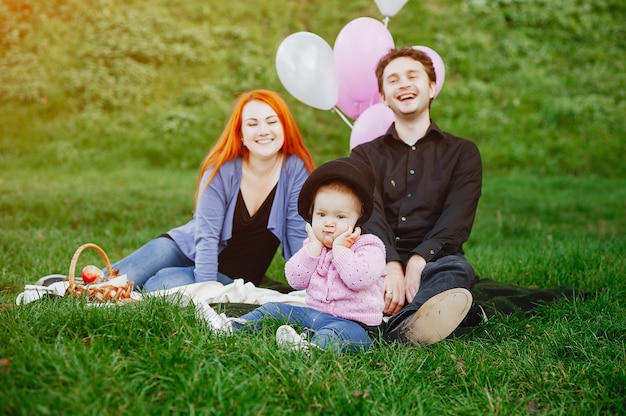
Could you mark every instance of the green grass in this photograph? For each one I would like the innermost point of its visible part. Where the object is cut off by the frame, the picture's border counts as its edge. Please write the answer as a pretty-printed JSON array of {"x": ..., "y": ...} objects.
[
  {"x": 156, "y": 358},
  {"x": 107, "y": 108}
]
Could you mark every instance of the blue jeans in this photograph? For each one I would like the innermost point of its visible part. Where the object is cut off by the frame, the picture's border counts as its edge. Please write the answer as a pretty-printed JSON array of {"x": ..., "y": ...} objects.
[
  {"x": 327, "y": 330},
  {"x": 446, "y": 273},
  {"x": 160, "y": 264}
]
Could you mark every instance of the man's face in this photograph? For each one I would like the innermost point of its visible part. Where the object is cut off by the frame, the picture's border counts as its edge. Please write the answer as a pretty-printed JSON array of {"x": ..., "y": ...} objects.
[{"x": 407, "y": 89}]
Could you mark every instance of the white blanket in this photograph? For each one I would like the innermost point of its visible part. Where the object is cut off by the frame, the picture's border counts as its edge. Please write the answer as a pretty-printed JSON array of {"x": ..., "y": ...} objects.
[
  {"x": 236, "y": 292},
  {"x": 210, "y": 292}
]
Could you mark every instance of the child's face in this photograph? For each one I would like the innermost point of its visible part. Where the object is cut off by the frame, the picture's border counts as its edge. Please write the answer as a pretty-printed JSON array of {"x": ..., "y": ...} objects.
[{"x": 334, "y": 212}]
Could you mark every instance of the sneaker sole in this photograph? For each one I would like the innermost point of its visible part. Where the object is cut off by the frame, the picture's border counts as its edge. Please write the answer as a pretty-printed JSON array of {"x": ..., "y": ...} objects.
[
  {"x": 50, "y": 279},
  {"x": 438, "y": 317}
]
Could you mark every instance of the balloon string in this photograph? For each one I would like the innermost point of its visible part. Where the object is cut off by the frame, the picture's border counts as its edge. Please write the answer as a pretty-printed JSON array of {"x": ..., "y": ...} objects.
[{"x": 343, "y": 117}]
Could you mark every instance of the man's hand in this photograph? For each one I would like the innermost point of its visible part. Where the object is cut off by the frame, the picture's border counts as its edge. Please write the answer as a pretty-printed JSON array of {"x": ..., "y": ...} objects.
[
  {"x": 314, "y": 246},
  {"x": 394, "y": 288},
  {"x": 345, "y": 240},
  {"x": 413, "y": 277}
]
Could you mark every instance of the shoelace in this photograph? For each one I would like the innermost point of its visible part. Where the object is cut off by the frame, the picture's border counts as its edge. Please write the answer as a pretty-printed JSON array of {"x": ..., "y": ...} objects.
[{"x": 305, "y": 343}]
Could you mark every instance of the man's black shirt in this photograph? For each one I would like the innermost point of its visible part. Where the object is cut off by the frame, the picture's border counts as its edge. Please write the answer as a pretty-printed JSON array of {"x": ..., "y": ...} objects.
[{"x": 426, "y": 194}]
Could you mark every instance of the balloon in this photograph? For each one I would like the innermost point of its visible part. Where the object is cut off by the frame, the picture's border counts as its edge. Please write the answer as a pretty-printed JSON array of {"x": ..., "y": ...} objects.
[
  {"x": 389, "y": 8},
  {"x": 304, "y": 62},
  {"x": 440, "y": 69},
  {"x": 373, "y": 123},
  {"x": 353, "y": 108},
  {"x": 357, "y": 50}
]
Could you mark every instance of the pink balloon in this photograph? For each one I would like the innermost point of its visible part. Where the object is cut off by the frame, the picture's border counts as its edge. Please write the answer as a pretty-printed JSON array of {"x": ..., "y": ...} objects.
[
  {"x": 373, "y": 123},
  {"x": 353, "y": 108},
  {"x": 357, "y": 50},
  {"x": 440, "y": 69}
]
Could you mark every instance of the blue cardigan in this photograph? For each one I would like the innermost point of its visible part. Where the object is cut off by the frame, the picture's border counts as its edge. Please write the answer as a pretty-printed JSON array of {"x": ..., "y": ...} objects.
[{"x": 206, "y": 235}]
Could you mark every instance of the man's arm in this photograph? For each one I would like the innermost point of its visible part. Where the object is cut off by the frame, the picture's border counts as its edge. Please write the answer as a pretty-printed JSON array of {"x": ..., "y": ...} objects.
[
  {"x": 454, "y": 225},
  {"x": 377, "y": 223},
  {"x": 394, "y": 284}
]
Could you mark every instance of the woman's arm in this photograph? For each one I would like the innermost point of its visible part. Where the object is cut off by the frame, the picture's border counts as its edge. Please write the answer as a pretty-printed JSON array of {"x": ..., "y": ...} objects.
[
  {"x": 210, "y": 218},
  {"x": 295, "y": 226}
]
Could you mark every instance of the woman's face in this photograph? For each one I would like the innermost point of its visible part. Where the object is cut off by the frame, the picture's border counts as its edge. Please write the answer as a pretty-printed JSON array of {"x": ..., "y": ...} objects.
[{"x": 261, "y": 129}]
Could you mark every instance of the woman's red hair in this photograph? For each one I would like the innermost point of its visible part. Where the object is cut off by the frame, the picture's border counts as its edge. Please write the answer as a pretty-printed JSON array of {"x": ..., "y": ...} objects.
[{"x": 229, "y": 145}]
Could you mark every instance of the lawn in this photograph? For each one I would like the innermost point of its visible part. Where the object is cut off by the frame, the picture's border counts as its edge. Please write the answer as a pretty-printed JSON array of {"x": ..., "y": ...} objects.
[{"x": 107, "y": 108}]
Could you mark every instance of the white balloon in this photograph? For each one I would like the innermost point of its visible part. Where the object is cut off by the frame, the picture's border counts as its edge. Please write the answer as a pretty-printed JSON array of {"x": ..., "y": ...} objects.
[
  {"x": 390, "y": 8},
  {"x": 305, "y": 66}
]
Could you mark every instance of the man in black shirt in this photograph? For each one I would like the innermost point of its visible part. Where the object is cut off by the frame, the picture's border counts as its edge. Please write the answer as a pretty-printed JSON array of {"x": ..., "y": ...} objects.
[{"x": 428, "y": 187}]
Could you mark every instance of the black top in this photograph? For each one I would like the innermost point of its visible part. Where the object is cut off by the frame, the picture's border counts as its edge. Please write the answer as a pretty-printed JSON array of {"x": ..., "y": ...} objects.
[
  {"x": 251, "y": 249},
  {"x": 426, "y": 194}
]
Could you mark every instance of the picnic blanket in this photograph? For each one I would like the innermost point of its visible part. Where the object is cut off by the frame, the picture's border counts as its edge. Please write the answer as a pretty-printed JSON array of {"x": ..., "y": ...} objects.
[
  {"x": 239, "y": 292},
  {"x": 491, "y": 297}
]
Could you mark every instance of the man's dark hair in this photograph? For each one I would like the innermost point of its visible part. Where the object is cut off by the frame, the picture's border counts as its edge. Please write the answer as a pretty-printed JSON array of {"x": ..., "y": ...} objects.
[{"x": 409, "y": 52}]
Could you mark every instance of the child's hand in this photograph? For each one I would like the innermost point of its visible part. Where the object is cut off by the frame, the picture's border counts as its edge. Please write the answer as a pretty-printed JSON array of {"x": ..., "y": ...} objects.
[
  {"x": 345, "y": 240},
  {"x": 314, "y": 245}
]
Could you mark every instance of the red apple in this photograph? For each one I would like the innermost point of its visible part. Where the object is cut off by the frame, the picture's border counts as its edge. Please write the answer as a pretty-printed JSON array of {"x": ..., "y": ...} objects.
[{"x": 91, "y": 273}]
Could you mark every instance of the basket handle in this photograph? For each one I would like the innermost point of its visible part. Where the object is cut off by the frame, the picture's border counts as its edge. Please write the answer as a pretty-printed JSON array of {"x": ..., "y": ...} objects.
[{"x": 71, "y": 275}]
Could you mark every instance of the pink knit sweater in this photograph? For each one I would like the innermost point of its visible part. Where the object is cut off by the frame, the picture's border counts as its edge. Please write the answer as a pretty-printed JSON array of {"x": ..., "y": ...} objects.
[{"x": 349, "y": 286}]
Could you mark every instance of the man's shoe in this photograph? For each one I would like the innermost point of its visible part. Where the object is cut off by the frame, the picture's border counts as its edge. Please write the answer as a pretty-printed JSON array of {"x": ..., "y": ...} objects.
[{"x": 438, "y": 317}]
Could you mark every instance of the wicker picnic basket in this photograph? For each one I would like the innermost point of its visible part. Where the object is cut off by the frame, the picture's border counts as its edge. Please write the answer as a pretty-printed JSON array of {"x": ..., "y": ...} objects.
[{"x": 118, "y": 289}]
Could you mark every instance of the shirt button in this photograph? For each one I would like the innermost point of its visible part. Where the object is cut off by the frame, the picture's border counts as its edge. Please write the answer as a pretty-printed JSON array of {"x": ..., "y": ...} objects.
[
  {"x": 432, "y": 251},
  {"x": 412, "y": 172},
  {"x": 409, "y": 195},
  {"x": 397, "y": 238},
  {"x": 412, "y": 147},
  {"x": 403, "y": 219}
]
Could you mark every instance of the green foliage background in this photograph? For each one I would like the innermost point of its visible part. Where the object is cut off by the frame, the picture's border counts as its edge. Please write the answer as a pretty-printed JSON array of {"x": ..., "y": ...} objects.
[{"x": 539, "y": 85}]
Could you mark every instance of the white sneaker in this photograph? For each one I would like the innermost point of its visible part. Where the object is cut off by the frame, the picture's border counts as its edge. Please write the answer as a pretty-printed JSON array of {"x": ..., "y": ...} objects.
[
  {"x": 287, "y": 337},
  {"x": 32, "y": 293},
  {"x": 438, "y": 317},
  {"x": 219, "y": 323}
]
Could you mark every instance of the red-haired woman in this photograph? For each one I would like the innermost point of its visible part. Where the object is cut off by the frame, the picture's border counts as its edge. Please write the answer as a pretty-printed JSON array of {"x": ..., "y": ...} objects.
[{"x": 246, "y": 204}]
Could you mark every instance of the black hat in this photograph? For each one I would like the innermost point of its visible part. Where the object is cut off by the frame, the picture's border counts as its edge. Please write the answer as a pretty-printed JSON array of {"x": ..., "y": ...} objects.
[{"x": 354, "y": 172}]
